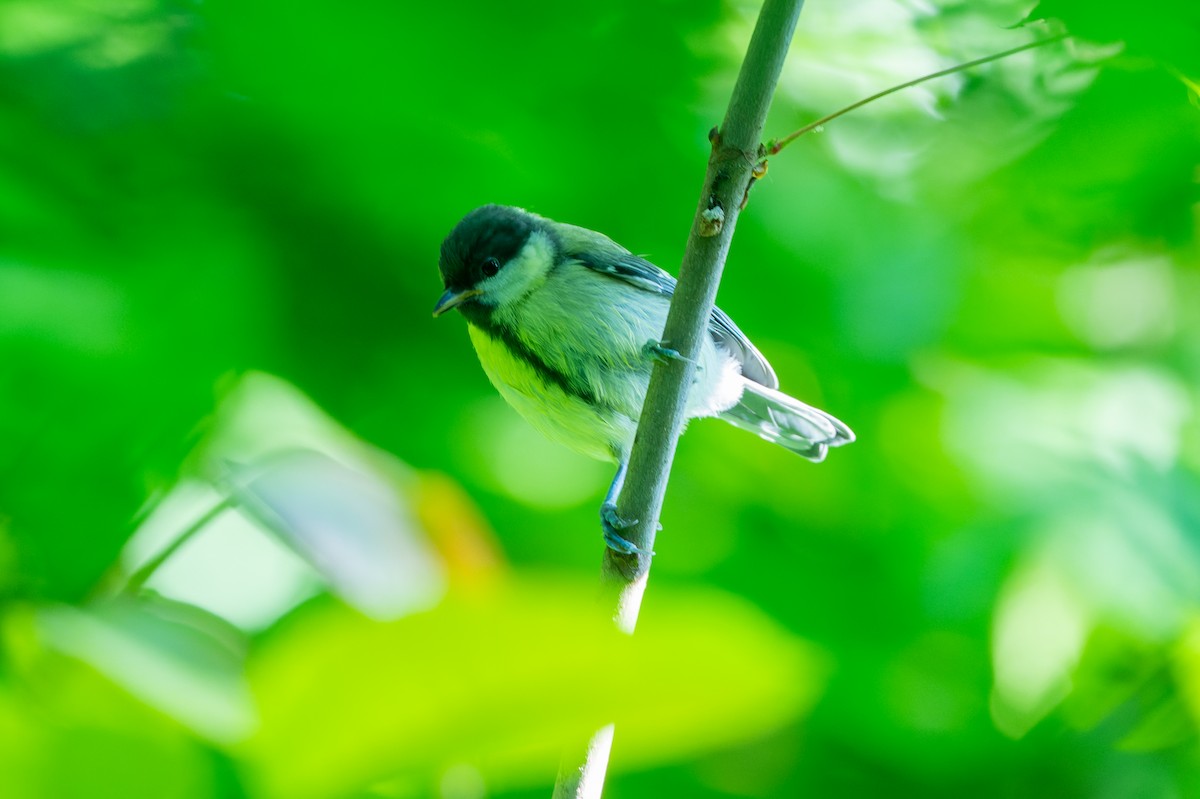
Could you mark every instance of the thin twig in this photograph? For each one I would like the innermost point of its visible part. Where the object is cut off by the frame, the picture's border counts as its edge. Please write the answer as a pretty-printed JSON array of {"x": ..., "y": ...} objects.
[{"x": 775, "y": 145}]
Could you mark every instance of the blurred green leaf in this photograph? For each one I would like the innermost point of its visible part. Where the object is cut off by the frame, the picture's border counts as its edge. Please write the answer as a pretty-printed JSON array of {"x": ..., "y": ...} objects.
[
  {"x": 1128, "y": 684},
  {"x": 176, "y": 658},
  {"x": 67, "y": 732},
  {"x": 500, "y": 679},
  {"x": 1166, "y": 30}
]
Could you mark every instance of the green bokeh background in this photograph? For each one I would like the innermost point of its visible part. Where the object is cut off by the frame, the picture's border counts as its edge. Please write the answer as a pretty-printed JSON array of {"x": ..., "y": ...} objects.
[{"x": 992, "y": 278}]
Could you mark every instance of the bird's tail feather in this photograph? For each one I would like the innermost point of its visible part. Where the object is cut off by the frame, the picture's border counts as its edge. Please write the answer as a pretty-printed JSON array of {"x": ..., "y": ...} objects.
[{"x": 770, "y": 414}]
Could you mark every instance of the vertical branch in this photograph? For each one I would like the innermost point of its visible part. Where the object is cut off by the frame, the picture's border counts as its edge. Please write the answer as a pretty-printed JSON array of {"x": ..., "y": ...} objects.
[{"x": 736, "y": 149}]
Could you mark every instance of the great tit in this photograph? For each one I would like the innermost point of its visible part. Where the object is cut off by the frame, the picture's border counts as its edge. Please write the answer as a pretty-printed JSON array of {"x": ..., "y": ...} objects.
[{"x": 567, "y": 323}]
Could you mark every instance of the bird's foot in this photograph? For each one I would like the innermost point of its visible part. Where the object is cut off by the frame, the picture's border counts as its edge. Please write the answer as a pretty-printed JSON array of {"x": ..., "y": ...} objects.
[
  {"x": 613, "y": 525},
  {"x": 656, "y": 350}
]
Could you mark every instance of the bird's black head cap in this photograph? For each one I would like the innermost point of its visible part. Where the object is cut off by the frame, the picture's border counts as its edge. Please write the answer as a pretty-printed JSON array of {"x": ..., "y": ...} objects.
[{"x": 491, "y": 231}]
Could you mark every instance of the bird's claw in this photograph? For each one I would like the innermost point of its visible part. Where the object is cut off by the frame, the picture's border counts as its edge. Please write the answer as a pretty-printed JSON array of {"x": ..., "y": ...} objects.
[
  {"x": 613, "y": 524},
  {"x": 658, "y": 352}
]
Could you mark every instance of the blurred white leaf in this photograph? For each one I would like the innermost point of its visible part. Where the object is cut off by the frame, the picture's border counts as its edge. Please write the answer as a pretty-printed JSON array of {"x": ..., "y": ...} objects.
[
  {"x": 338, "y": 503},
  {"x": 352, "y": 526},
  {"x": 1038, "y": 633}
]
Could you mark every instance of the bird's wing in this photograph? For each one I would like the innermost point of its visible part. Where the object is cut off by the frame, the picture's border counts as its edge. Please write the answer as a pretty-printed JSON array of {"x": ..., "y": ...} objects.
[
  {"x": 754, "y": 365},
  {"x": 607, "y": 257}
]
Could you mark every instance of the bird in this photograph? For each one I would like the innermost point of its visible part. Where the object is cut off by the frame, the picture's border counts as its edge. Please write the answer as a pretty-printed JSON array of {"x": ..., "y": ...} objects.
[{"x": 567, "y": 326}]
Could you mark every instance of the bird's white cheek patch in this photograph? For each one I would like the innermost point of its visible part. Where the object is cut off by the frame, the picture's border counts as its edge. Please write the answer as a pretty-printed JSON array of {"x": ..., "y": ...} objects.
[{"x": 524, "y": 273}]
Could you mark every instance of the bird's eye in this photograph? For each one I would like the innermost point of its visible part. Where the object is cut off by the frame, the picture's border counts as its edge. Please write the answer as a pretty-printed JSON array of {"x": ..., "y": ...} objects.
[{"x": 490, "y": 267}]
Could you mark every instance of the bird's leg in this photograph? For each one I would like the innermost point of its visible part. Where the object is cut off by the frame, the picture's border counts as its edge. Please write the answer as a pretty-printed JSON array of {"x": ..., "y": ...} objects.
[
  {"x": 659, "y": 352},
  {"x": 612, "y": 523}
]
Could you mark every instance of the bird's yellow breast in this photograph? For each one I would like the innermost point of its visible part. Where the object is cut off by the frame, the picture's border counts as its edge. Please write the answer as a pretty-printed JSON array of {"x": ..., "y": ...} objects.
[{"x": 595, "y": 430}]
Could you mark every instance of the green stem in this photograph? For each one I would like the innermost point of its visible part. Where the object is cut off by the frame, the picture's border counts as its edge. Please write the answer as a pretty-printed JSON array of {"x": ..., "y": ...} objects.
[
  {"x": 776, "y": 145},
  {"x": 142, "y": 575}
]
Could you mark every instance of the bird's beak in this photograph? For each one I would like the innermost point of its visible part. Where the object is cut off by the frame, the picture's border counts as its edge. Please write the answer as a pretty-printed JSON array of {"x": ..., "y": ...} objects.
[{"x": 452, "y": 299}]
